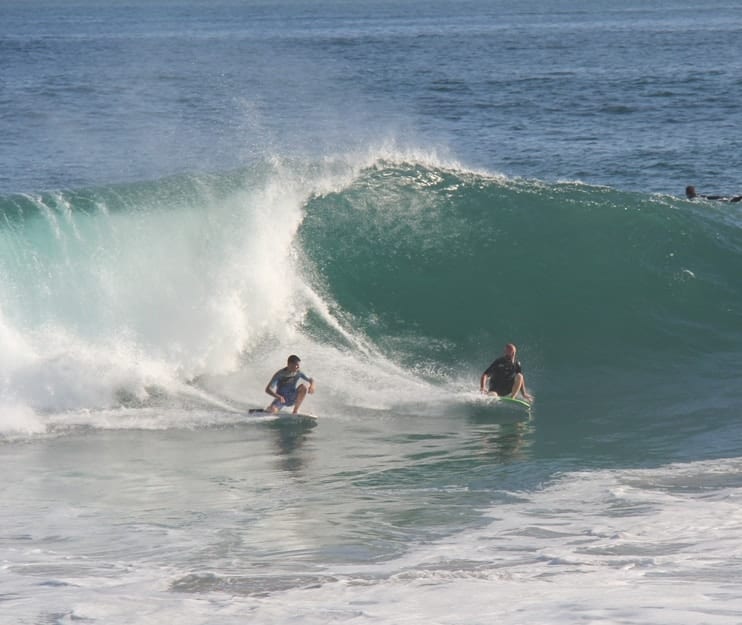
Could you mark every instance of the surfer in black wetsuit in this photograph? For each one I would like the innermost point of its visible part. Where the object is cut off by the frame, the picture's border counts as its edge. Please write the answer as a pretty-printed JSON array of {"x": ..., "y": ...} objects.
[
  {"x": 505, "y": 376},
  {"x": 690, "y": 193}
]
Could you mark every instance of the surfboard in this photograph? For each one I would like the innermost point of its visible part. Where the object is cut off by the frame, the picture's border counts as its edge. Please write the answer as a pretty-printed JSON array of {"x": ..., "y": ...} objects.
[
  {"x": 285, "y": 417},
  {"x": 494, "y": 407},
  {"x": 514, "y": 402}
]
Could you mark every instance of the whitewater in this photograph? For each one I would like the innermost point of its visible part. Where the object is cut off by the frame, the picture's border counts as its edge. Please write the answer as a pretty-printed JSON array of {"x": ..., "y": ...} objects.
[{"x": 392, "y": 191}]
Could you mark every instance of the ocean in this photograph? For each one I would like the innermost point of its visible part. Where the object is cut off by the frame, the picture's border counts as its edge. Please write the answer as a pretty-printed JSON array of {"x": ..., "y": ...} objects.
[{"x": 191, "y": 191}]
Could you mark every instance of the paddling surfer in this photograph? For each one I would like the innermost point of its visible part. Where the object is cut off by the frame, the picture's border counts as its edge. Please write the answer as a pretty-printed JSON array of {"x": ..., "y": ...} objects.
[{"x": 690, "y": 193}]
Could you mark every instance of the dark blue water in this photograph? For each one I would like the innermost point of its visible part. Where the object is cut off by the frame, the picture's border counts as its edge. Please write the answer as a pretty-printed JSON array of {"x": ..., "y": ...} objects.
[{"x": 636, "y": 97}]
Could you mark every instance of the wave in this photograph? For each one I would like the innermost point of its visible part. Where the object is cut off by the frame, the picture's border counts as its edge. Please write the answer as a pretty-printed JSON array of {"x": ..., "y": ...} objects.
[
  {"x": 393, "y": 276},
  {"x": 443, "y": 266}
]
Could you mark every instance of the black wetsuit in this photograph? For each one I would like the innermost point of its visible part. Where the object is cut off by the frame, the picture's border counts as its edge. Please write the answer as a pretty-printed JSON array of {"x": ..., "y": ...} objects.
[
  {"x": 721, "y": 198},
  {"x": 502, "y": 374}
]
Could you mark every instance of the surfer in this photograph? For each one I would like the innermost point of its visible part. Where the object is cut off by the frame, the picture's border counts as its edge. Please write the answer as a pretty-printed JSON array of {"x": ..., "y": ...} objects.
[
  {"x": 505, "y": 376},
  {"x": 285, "y": 388},
  {"x": 690, "y": 193}
]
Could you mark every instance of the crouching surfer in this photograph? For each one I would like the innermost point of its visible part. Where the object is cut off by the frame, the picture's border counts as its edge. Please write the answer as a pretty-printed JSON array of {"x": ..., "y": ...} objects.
[
  {"x": 504, "y": 377},
  {"x": 285, "y": 387}
]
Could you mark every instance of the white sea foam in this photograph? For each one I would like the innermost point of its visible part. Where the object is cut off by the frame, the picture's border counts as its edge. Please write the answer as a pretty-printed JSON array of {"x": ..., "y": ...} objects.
[{"x": 637, "y": 546}]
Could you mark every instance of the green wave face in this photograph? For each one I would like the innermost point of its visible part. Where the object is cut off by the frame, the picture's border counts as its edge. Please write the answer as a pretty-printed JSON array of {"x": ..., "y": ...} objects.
[{"x": 444, "y": 267}]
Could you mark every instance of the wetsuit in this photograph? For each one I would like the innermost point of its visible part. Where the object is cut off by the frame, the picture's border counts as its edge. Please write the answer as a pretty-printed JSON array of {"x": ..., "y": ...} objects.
[
  {"x": 502, "y": 374},
  {"x": 285, "y": 383}
]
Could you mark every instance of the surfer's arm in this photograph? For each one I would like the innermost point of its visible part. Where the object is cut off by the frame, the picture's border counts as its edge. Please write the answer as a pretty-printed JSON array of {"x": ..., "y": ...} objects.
[
  {"x": 272, "y": 387},
  {"x": 483, "y": 382},
  {"x": 310, "y": 388}
]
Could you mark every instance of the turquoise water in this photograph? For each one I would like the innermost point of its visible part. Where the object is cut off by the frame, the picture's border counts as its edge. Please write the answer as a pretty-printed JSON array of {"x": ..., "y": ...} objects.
[{"x": 191, "y": 192}]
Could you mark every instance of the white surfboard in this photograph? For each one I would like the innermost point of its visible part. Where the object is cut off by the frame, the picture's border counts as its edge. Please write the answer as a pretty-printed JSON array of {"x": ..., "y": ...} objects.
[{"x": 288, "y": 417}]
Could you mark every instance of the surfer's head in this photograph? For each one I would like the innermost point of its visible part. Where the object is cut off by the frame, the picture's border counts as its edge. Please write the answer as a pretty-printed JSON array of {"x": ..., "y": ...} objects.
[
  {"x": 510, "y": 350},
  {"x": 293, "y": 362},
  {"x": 690, "y": 192}
]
